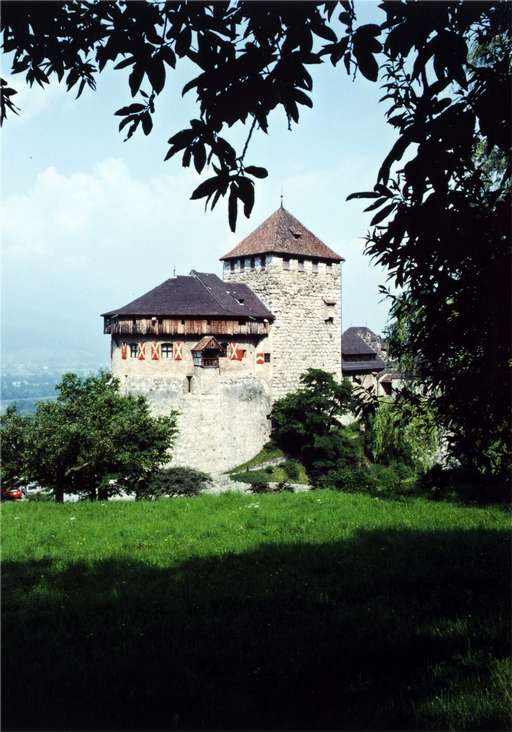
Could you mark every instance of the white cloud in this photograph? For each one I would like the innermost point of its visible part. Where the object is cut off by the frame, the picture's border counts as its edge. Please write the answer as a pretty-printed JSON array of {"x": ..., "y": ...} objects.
[{"x": 33, "y": 100}]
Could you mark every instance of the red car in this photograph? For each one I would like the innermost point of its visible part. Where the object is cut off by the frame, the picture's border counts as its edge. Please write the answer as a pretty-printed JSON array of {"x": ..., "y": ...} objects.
[{"x": 14, "y": 493}]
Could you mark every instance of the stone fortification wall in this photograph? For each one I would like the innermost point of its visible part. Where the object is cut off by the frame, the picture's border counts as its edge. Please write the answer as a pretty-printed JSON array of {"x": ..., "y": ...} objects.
[
  {"x": 223, "y": 412},
  {"x": 305, "y": 299}
]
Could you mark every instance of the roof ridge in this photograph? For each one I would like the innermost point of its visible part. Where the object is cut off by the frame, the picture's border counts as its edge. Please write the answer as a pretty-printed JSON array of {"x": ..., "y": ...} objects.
[{"x": 196, "y": 274}]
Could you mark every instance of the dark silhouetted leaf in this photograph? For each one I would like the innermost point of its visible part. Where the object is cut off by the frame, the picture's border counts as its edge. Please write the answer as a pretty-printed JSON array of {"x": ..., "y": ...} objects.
[
  {"x": 382, "y": 214},
  {"x": 135, "y": 78},
  {"x": 232, "y": 207},
  {"x": 206, "y": 188},
  {"x": 256, "y": 171},
  {"x": 147, "y": 123},
  {"x": 199, "y": 156},
  {"x": 363, "y": 194},
  {"x": 130, "y": 109}
]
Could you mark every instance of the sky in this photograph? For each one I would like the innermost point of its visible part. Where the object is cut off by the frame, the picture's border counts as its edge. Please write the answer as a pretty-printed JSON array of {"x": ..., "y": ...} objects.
[{"x": 89, "y": 222}]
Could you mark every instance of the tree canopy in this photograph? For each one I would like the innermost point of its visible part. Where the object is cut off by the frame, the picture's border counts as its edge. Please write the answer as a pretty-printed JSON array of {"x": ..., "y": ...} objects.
[
  {"x": 438, "y": 222},
  {"x": 92, "y": 441}
]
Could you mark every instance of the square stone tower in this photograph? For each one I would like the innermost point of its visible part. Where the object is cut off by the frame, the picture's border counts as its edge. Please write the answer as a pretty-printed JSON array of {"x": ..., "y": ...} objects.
[{"x": 298, "y": 278}]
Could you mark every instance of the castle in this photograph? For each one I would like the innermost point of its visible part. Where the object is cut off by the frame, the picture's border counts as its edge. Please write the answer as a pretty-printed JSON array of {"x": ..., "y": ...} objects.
[{"x": 221, "y": 351}]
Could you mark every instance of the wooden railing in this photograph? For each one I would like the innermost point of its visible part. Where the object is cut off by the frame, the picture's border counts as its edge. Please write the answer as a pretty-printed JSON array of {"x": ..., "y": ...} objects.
[{"x": 170, "y": 327}]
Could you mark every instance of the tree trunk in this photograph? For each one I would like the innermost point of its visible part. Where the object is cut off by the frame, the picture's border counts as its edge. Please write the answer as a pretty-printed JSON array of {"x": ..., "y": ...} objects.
[{"x": 59, "y": 493}]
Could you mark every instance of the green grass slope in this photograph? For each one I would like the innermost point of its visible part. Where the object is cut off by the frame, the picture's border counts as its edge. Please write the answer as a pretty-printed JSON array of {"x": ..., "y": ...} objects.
[{"x": 318, "y": 610}]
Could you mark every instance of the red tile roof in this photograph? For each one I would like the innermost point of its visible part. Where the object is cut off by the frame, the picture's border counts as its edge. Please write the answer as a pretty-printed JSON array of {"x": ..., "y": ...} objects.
[{"x": 281, "y": 233}]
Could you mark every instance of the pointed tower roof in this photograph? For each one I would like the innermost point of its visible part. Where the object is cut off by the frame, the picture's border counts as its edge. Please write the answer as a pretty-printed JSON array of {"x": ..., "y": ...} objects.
[{"x": 282, "y": 233}]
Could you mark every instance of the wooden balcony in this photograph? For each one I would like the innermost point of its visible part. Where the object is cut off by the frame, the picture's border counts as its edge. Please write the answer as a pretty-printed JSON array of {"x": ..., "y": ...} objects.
[{"x": 170, "y": 327}]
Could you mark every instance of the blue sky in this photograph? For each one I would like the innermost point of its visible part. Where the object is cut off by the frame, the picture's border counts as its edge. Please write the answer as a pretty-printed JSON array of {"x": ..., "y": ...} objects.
[{"x": 89, "y": 222}]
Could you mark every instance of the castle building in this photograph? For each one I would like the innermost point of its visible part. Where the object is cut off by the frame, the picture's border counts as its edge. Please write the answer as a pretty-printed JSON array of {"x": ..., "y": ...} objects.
[{"x": 221, "y": 351}]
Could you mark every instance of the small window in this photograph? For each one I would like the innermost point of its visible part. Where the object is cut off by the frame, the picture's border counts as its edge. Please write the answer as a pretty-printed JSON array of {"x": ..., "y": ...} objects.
[
  {"x": 253, "y": 263},
  {"x": 232, "y": 265},
  {"x": 133, "y": 350},
  {"x": 224, "y": 348},
  {"x": 166, "y": 350},
  {"x": 242, "y": 264},
  {"x": 286, "y": 262},
  {"x": 329, "y": 320},
  {"x": 300, "y": 264},
  {"x": 267, "y": 357},
  {"x": 240, "y": 300},
  {"x": 263, "y": 261},
  {"x": 242, "y": 322},
  {"x": 160, "y": 321},
  {"x": 314, "y": 265},
  {"x": 134, "y": 324},
  {"x": 183, "y": 322}
]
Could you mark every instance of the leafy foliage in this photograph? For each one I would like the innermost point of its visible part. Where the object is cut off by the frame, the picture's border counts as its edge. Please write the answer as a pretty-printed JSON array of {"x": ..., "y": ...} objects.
[
  {"x": 178, "y": 481},
  {"x": 440, "y": 217},
  {"x": 252, "y": 58},
  {"x": 306, "y": 425},
  {"x": 92, "y": 441},
  {"x": 404, "y": 432}
]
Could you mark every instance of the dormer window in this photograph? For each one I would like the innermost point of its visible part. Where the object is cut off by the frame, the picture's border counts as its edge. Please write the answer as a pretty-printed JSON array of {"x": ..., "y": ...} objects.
[
  {"x": 240, "y": 300},
  {"x": 295, "y": 234}
]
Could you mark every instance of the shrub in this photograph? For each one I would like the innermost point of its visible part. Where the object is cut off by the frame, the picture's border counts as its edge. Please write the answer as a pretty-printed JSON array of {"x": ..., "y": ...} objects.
[
  {"x": 291, "y": 469},
  {"x": 349, "y": 479},
  {"x": 260, "y": 488},
  {"x": 174, "y": 482},
  {"x": 269, "y": 469}
]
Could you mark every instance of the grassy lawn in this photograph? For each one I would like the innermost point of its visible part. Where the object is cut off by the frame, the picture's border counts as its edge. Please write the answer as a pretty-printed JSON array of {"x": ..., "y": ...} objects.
[{"x": 318, "y": 610}]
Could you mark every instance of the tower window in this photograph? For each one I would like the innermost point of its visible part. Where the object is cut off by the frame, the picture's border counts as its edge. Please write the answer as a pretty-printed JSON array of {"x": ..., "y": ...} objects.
[
  {"x": 166, "y": 350},
  {"x": 133, "y": 350},
  {"x": 300, "y": 264},
  {"x": 286, "y": 262}
]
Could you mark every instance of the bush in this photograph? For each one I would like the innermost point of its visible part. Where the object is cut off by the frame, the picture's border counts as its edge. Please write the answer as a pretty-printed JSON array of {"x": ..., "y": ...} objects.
[
  {"x": 291, "y": 469},
  {"x": 463, "y": 484},
  {"x": 269, "y": 469},
  {"x": 174, "y": 482},
  {"x": 349, "y": 479}
]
